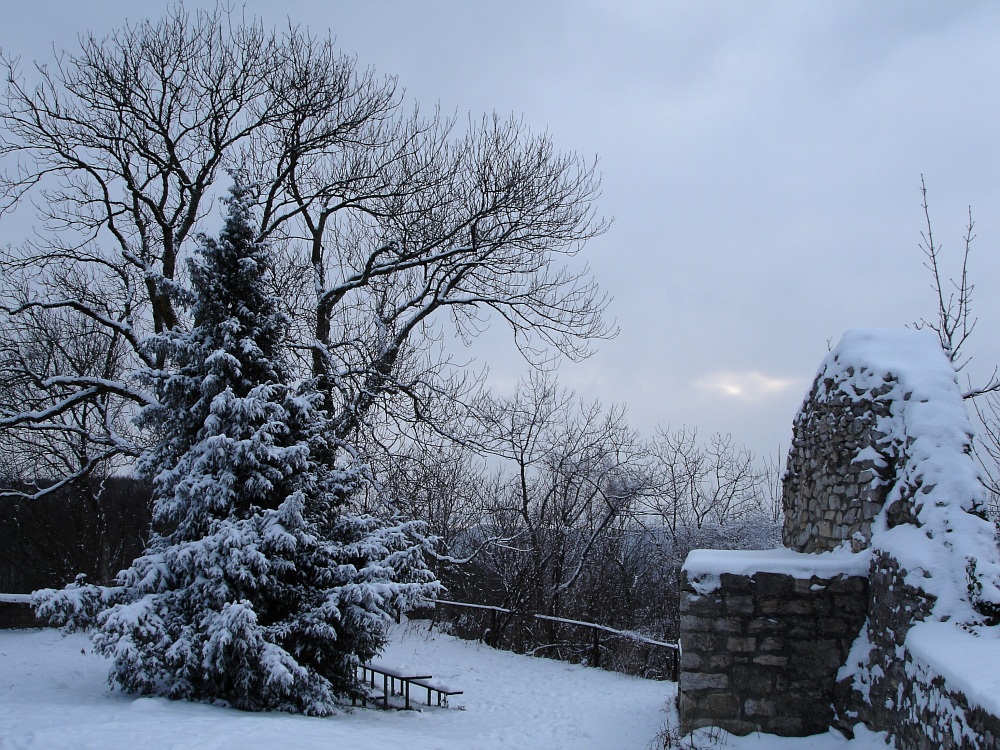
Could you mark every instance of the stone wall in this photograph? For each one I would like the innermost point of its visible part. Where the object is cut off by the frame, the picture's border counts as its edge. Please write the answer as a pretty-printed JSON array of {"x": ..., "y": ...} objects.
[
  {"x": 839, "y": 465},
  {"x": 927, "y": 714},
  {"x": 872, "y": 675},
  {"x": 880, "y": 469},
  {"x": 792, "y": 655},
  {"x": 761, "y": 651},
  {"x": 18, "y": 615},
  {"x": 886, "y": 687}
]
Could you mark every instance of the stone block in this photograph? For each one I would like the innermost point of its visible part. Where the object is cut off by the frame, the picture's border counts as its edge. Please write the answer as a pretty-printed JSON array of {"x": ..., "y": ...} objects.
[
  {"x": 787, "y": 726},
  {"x": 771, "y": 660},
  {"x": 798, "y": 606},
  {"x": 771, "y": 643},
  {"x": 702, "y": 641},
  {"x": 769, "y": 606},
  {"x": 717, "y": 705},
  {"x": 801, "y": 630},
  {"x": 699, "y": 605},
  {"x": 740, "y": 727},
  {"x": 719, "y": 661},
  {"x": 850, "y": 607},
  {"x": 691, "y": 623},
  {"x": 765, "y": 626},
  {"x": 850, "y": 585},
  {"x": 804, "y": 586},
  {"x": 741, "y": 644},
  {"x": 693, "y": 718},
  {"x": 691, "y": 660},
  {"x": 734, "y": 584},
  {"x": 822, "y": 606},
  {"x": 759, "y": 707},
  {"x": 754, "y": 679},
  {"x": 794, "y": 681},
  {"x": 695, "y": 681},
  {"x": 738, "y": 605},
  {"x": 728, "y": 625},
  {"x": 773, "y": 585}
]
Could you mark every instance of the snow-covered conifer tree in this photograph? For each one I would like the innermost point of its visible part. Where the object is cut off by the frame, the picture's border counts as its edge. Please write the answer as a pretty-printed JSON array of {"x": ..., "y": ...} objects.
[{"x": 259, "y": 585}]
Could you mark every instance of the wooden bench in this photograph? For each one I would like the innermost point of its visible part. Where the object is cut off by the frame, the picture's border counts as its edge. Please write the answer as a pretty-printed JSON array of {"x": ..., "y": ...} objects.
[
  {"x": 368, "y": 693},
  {"x": 441, "y": 690}
]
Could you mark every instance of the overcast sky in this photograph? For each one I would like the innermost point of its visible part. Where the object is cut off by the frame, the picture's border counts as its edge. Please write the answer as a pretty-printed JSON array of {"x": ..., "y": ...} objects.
[{"x": 761, "y": 160}]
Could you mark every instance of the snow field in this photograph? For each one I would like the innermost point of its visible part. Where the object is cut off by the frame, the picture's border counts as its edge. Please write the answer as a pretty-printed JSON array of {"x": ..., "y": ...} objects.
[{"x": 54, "y": 696}]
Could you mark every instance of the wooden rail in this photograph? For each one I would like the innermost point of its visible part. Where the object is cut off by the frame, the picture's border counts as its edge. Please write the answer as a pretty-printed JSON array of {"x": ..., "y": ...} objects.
[
  {"x": 595, "y": 644},
  {"x": 631, "y": 635}
]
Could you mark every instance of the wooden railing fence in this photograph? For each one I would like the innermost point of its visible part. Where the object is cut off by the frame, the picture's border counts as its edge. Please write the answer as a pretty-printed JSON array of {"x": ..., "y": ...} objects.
[{"x": 561, "y": 638}]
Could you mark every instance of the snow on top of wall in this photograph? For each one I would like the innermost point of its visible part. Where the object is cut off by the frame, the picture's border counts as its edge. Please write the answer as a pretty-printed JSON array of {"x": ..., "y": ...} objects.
[
  {"x": 705, "y": 566},
  {"x": 15, "y": 598},
  {"x": 969, "y": 661},
  {"x": 928, "y": 424}
]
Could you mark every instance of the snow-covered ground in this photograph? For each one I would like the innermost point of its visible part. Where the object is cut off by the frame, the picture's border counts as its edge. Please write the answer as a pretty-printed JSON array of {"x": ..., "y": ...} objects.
[{"x": 53, "y": 695}]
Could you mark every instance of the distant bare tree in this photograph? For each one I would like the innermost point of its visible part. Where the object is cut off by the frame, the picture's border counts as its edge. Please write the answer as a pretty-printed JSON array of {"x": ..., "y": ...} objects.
[
  {"x": 41, "y": 349},
  {"x": 571, "y": 475},
  {"x": 545, "y": 504},
  {"x": 716, "y": 482}
]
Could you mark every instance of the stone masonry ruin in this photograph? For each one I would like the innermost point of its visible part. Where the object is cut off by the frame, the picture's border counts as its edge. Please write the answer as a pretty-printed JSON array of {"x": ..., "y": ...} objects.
[
  {"x": 839, "y": 467},
  {"x": 882, "y": 607}
]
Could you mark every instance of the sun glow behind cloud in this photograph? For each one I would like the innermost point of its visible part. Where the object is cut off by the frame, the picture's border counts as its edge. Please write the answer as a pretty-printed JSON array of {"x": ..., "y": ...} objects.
[{"x": 750, "y": 386}]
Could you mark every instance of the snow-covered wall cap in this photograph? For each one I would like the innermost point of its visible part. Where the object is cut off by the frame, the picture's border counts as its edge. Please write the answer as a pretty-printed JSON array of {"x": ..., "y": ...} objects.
[
  {"x": 705, "y": 566},
  {"x": 968, "y": 661},
  {"x": 15, "y": 598},
  {"x": 914, "y": 358},
  {"x": 949, "y": 551}
]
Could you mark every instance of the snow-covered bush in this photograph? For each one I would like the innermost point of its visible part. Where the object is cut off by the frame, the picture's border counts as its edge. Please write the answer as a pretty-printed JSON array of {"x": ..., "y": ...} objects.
[{"x": 259, "y": 585}]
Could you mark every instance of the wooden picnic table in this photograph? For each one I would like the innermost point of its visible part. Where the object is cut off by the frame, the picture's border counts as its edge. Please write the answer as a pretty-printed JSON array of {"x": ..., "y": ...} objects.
[{"x": 389, "y": 676}]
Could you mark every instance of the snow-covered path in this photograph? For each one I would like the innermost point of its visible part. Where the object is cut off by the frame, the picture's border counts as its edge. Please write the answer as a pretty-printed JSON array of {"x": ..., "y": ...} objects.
[{"x": 52, "y": 696}]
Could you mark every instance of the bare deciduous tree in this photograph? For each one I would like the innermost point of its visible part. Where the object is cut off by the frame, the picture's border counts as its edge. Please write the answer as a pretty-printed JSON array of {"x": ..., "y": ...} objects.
[
  {"x": 555, "y": 512},
  {"x": 954, "y": 322},
  {"x": 394, "y": 227},
  {"x": 716, "y": 482},
  {"x": 954, "y": 325}
]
